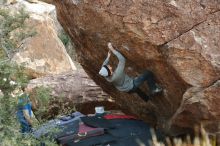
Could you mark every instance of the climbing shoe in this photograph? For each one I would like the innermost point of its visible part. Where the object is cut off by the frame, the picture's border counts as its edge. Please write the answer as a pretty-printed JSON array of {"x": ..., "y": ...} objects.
[{"x": 158, "y": 89}]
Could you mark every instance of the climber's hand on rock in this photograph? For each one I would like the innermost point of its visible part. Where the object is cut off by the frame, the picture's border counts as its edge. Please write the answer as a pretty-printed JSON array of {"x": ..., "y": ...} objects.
[
  {"x": 109, "y": 53},
  {"x": 110, "y": 46}
]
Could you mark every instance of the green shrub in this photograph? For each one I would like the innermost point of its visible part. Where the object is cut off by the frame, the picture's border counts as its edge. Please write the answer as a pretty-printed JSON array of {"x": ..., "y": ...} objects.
[
  {"x": 9, "y": 126},
  {"x": 64, "y": 38},
  {"x": 13, "y": 23},
  {"x": 43, "y": 96}
]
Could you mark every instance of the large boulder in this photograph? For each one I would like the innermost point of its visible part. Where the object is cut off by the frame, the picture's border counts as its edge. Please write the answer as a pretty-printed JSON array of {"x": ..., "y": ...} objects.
[
  {"x": 70, "y": 91},
  {"x": 43, "y": 52},
  {"x": 177, "y": 40},
  {"x": 199, "y": 105}
]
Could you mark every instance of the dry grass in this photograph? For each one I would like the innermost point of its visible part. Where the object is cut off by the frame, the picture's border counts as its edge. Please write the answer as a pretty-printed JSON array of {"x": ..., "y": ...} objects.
[{"x": 203, "y": 140}]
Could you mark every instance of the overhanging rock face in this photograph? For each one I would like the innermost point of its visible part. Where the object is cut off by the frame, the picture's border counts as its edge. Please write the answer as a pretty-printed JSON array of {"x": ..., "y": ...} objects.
[{"x": 177, "y": 40}]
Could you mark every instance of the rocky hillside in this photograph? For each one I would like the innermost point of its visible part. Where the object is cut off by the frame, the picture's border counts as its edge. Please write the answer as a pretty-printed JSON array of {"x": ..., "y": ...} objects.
[
  {"x": 177, "y": 40},
  {"x": 38, "y": 46},
  {"x": 71, "y": 91},
  {"x": 41, "y": 46}
]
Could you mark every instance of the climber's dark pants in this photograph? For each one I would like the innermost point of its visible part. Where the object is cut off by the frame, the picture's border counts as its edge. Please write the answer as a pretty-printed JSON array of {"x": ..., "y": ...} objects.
[{"x": 146, "y": 76}]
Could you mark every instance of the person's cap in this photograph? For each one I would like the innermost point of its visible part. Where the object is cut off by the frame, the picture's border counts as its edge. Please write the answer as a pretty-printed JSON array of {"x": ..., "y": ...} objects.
[{"x": 104, "y": 71}]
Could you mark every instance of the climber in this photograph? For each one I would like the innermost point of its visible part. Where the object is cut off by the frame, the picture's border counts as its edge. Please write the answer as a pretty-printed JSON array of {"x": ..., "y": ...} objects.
[
  {"x": 24, "y": 113},
  {"x": 125, "y": 83}
]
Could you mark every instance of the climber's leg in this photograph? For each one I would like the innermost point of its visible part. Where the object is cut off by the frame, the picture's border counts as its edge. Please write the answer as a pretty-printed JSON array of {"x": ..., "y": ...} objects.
[
  {"x": 141, "y": 94},
  {"x": 149, "y": 77}
]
